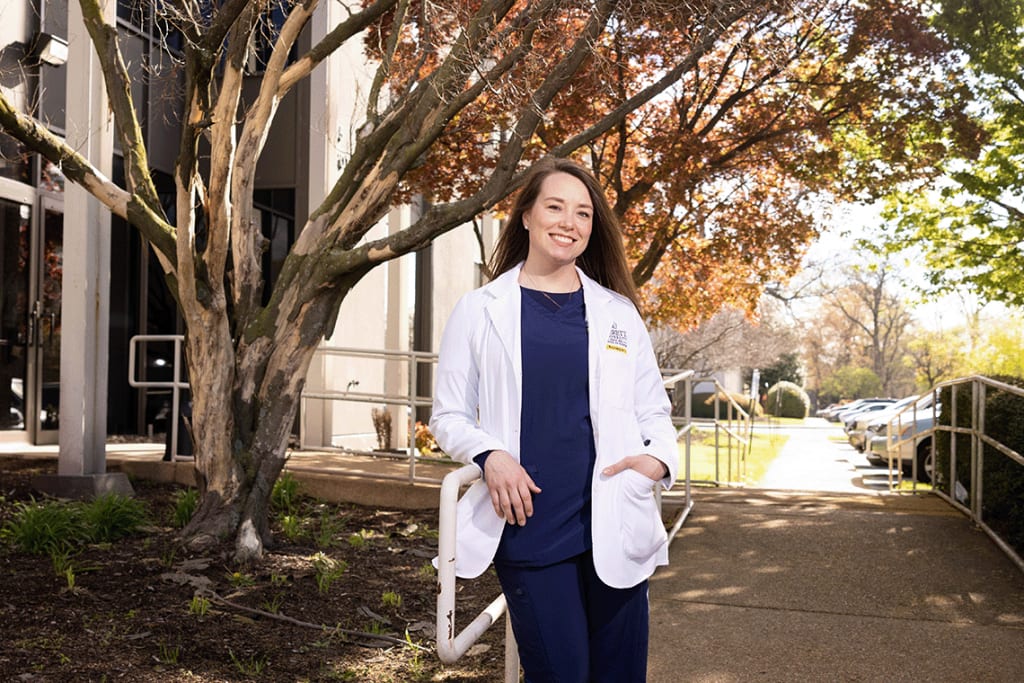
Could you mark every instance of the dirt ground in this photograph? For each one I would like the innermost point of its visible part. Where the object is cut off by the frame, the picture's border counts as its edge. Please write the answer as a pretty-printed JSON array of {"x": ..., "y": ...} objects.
[{"x": 134, "y": 610}]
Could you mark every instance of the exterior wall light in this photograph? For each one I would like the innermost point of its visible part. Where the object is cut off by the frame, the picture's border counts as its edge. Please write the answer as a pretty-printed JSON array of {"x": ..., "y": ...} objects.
[{"x": 51, "y": 49}]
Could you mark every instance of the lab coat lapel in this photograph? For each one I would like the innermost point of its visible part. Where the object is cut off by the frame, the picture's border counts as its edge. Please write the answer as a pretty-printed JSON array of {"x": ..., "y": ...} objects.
[
  {"x": 504, "y": 313},
  {"x": 596, "y": 301}
]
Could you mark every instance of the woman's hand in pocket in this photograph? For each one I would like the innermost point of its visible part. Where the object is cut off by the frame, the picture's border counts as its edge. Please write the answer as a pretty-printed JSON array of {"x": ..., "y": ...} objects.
[{"x": 645, "y": 464}]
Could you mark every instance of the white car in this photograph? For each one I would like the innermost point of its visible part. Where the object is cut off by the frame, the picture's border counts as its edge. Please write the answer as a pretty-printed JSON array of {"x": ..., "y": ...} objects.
[{"x": 848, "y": 409}]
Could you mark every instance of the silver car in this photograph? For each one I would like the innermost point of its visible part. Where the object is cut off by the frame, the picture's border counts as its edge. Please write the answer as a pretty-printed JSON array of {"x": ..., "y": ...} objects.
[{"x": 913, "y": 443}]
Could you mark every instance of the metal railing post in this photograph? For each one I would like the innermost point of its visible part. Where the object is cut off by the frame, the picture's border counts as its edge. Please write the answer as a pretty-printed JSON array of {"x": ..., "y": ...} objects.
[
  {"x": 981, "y": 450},
  {"x": 452, "y": 645},
  {"x": 953, "y": 478}
]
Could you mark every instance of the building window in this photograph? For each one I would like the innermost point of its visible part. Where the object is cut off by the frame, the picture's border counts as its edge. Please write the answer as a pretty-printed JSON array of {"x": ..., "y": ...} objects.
[
  {"x": 277, "y": 220},
  {"x": 15, "y": 160}
]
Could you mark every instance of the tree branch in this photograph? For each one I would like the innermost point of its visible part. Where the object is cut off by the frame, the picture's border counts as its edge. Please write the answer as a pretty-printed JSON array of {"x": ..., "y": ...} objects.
[
  {"x": 79, "y": 170},
  {"x": 331, "y": 42},
  {"x": 118, "y": 85}
]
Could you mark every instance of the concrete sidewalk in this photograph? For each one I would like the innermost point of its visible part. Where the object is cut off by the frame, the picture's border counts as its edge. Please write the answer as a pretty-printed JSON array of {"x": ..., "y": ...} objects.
[
  {"x": 334, "y": 476},
  {"x": 784, "y": 586}
]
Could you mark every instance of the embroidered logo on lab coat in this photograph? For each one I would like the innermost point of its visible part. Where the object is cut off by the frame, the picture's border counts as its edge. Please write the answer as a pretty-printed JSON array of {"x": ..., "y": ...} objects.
[{"x": 616, "y": 340}]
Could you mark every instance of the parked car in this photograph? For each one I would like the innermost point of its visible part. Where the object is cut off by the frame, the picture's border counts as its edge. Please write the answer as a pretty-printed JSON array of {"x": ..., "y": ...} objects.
[
  {"x": 828, "y": 410},
  {"x": 857, "y": 426},
  {"x": 849, "y": 418},
  {"x": 864, "y": 404},
  {"x": 915, "y": 443},
  {"x": 836, "y": 414}
]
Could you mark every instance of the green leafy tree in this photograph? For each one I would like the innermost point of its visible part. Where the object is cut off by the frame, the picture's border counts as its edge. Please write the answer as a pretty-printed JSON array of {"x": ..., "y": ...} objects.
[
  {"x": 1000, "y": 351},
  {"x": 935, "y": 356},
  {"x": 969, "y": 228},
  {"x": 850, "y": 383},
  {"x": 785, "y": 369}
]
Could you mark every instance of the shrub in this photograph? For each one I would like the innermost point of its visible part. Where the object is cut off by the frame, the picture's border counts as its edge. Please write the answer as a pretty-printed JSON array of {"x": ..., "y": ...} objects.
[
  {"x": 45, "y": 528},
  {"x": 112, "y": 516},
  {"x": 426, "y": 444},
  {"x": 786, "y": 399},
  {"x": 56, "y": 527}
]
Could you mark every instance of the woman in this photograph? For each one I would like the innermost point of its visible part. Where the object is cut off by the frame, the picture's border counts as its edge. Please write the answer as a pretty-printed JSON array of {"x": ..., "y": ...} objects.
[{"x": 547, "y": 380}]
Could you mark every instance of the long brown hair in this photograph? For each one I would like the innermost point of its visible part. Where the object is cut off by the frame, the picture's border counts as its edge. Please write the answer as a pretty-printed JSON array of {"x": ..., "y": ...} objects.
[{"x": 604, "y": 259}]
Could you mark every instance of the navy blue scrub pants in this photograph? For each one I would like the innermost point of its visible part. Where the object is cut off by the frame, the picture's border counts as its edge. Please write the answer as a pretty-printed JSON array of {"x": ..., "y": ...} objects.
[{"x": 572, "y": 628}]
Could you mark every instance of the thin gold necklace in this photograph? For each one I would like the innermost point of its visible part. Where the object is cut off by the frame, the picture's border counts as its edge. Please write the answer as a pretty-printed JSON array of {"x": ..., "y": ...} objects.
[{"x": 547, "y": 296}]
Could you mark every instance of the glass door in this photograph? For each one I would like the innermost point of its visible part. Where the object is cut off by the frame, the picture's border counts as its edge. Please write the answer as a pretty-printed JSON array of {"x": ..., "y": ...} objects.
[
  {"x": 45, "y": 321},
  {"x": 15, "y": 279}
]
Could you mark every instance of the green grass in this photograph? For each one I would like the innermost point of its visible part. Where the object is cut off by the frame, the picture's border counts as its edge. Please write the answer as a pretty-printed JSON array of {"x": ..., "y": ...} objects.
[
  {"x": 781, "y": 421},
  {"x": 764, "y": 449}
]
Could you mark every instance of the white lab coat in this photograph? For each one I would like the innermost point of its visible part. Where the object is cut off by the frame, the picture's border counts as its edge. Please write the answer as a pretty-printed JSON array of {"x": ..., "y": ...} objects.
[{"x": 477, "y": 407}]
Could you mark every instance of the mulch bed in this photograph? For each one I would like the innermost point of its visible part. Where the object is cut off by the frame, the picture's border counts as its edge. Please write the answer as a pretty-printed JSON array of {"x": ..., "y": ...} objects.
[{"x": 135, "y": 611}]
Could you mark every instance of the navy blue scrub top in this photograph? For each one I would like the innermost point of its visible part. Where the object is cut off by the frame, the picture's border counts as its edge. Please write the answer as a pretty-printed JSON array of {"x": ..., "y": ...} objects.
[{"x": 556, "y": 443}]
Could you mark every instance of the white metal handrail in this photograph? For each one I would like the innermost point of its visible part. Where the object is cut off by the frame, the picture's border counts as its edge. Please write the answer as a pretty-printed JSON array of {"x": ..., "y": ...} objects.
[
  {"x": 737, "y": 426},
  {"x": 452, "y": 645},
  {"x": 410, "y": 399},
  {"x": 686, "y": 434},
  {"x": 896, "y": 440},
  {"x": 175, "y": 385}
]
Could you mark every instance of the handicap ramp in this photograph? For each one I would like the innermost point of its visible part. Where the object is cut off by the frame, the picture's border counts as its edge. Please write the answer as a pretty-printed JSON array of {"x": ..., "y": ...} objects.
[{"x": 784, "y": 586}]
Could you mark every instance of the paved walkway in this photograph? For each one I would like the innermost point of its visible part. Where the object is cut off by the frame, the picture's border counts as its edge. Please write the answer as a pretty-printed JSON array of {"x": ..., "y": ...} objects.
[
  {"x": 783, "y": 586},
  {"x": 817, "y": 457},
  {"x": 841, "y": 583},
  {"x": 822, "y": 575}
]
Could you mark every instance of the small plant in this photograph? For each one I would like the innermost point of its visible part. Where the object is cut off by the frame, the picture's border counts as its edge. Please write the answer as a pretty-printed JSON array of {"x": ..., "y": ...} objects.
[
  {"x": 327, "y": 571},
  {"x": 61, "y": 561},
  {"x": 278, "y": 579},
  {"x": 185, "y": 503},
  {"x": 427, "y": 570},
  {"x": 112, "y": 516},
  {"x": 273, "y": 605},
  {"x": 391, "y": 599},
  {"x": 252, "y": 666},
  {"x": 357, "y": 541},
  {"x": 169, "y": 554},
  {"x": 285, "y": 495},
  {"x": 69, "y": 578},
  {"x": 328, "y": 530},
  {"x": 169, "y": 654},
  {"x": 240, "y": 580},
  {"x": 291, "y": 525},
  {"x": 416, "y": 666},
  {"x": 199, "y": 606},
  {"x": 44, "y": 528}
]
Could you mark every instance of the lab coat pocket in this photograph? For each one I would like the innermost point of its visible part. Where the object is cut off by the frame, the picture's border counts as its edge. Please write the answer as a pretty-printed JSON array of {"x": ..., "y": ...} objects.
[{"x": 640, "y": 520}]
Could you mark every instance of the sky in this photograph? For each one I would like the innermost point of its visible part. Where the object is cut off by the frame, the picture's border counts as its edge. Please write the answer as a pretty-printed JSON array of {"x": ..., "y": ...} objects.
[{"x": 838, "y": 245}]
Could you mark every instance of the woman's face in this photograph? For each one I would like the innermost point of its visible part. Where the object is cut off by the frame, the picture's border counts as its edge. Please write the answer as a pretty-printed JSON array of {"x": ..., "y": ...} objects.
[{"x": 559, "y": 221}]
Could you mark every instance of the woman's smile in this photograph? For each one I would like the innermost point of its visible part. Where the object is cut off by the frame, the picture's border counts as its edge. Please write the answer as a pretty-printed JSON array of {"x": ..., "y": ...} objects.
[{"x": 560, "y": 221}]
